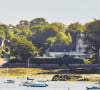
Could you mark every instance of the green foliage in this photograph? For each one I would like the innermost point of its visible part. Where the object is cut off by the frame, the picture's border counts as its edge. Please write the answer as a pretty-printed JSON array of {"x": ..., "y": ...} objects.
[
  {"x": 45, "y": 35},
  {"x": 22, "y": 48},
  {"x": 5, "y": 30},
  {"x": 74, "y": 29},
  {"x": 50, "y": 40},
  {"x": 93, "y": 31},
  {"x": 2, "y": 35},
  {"x": 62, "y": 39},
  {"x": 93, "y": 36},
  {"x": 12, "y": 57},
  {"x": 24, "y": 22},
  {"x": 38, "y": 21},
  {"x": 3, "y": 27},
  {"x": 23, "y": 30},
  {"x": 28, "y": 37},
  {"x": 60, "y": 27}
]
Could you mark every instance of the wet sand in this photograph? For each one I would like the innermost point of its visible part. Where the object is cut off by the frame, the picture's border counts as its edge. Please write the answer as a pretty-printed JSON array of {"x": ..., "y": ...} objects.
[{"x": 41, "y": 73}]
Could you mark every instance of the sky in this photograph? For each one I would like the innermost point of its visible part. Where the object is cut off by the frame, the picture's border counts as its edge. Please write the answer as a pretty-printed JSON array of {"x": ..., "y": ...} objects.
[{"x": 63, "y": 11}]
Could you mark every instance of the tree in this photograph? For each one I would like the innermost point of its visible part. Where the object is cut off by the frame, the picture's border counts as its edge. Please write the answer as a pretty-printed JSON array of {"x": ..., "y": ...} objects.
[
  {"x": 5, "y": 36},
  {"x": 2, "y": 35},
  {"x": 50, "y": 40},
  {"x": 40, "y": 35},
  {"x": 45, "y": 35},
  {"x": 63, "y": 39},
  {"x": 6, "y": 31},
  {"x": 24, "y": 22},
  {"x": 22, "y": 48},
  {"x": 93, "y": 35},
  {"x": 23, "y": 30},
  {"x": 3, "y": 27},
  {"x": 74, "y": 29},
  {"x": 60, "y": 27},
  {"x": 38, "y": 21},
  {"x": 93, "y": 29}
]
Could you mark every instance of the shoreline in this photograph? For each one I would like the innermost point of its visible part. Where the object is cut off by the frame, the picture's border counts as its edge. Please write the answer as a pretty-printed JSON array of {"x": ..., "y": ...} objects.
[{"x": 41, "y": 73}]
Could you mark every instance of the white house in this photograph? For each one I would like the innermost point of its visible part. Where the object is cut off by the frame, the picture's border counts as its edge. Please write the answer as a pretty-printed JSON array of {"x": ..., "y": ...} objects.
[{"x": 60, "y": 50}]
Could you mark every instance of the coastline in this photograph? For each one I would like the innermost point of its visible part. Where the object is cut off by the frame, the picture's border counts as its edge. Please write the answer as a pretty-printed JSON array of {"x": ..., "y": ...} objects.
[{"x": 41, "y": 73}]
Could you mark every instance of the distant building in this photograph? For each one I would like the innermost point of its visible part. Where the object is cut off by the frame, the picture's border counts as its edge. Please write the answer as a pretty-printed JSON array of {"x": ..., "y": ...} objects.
[
  {"x": 72, "y": 50},
  {"x": 59, "y": 50},
  {"x": 11, "y": 27},
  {"x": 80, "y": 45}
]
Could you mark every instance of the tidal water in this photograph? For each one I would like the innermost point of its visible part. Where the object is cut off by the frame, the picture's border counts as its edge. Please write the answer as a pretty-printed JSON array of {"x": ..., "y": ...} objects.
[{"x": 52, "y": 85}]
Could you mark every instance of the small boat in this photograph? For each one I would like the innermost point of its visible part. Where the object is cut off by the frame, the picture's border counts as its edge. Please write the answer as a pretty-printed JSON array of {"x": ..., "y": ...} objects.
[
  {"x": 26, "y": 84},
  {"x": 30, "y": 83},
  {"x": 39, "y": 85},
  {"x": 33, "y": 84},
  {"x": 29, "y": 78},
  {"x": 43, "y": 80},
  {"x": 28, "y": 64},
  {"x": 93, "y": 88},
  {"x": 9, "y": 81}
]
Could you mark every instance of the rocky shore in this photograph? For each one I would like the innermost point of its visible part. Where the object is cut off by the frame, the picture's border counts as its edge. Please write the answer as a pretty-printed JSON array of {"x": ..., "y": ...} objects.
[{"x": 77, "y": 77}]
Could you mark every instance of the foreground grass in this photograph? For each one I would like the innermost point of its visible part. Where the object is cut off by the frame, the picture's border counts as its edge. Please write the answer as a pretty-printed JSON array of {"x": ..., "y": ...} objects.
[{"x": 43, "y": 73}]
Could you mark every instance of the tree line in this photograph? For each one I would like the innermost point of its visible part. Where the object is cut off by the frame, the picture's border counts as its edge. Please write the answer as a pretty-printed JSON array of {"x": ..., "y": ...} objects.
[{"x": 30, "y": 38}]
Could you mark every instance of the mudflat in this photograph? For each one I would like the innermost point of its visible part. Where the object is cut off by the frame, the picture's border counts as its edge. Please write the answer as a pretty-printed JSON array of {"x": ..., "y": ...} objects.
[{"x": 42, "y": 73}]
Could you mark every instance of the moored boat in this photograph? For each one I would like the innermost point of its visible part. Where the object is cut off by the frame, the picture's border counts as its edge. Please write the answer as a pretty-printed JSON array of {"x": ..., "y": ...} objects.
[
  {"x": 29, "y": 78},
  {"x": 9, "y": 81},
  {"x": 30, "y": 83},
  {"x": 34, "y": 84},
  {"x": 43, "y": 80},
  {"x": 93, "y": 88}
]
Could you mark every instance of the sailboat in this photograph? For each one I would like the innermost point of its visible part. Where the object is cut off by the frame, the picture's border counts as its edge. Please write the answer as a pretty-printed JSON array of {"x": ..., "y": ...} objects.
[
  {"x": 9, "y": 81},
  {"x": 28, "y": 66},
  {"x": 30, "y": 83}
]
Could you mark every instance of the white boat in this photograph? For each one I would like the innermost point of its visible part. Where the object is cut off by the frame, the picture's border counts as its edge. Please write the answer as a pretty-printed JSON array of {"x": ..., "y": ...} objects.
[
  {"x": 30, "y": 83},
  {"x": 34, "y": 84},
  {"x": 28, "y": 78},
  {"x": 43, "y": 80},
  {"x": 9, "y": 81},
  {"x": 93, "y": 88}
]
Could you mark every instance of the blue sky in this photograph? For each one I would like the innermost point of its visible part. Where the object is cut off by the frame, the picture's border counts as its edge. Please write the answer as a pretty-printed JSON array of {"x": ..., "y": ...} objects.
[{"x": 63, "y": 11}]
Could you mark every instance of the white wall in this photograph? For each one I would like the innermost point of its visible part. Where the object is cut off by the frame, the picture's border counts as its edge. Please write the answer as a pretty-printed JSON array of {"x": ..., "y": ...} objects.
[
  {"x": 56, "y": 54},
  {"x": 80, "y": 44}
]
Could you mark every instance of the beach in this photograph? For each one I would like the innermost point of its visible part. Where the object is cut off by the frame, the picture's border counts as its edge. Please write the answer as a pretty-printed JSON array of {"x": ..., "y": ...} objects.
[{"x": 42, "y": 73}]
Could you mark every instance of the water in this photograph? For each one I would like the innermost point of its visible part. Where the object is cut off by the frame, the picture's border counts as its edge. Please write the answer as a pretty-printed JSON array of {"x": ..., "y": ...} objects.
[{"x": 52, "y": 85}]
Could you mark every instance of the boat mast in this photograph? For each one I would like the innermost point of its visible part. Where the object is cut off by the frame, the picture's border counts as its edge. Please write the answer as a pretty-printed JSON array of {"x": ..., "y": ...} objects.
[
  {"x": 7, "y": 71},
  {"x": 28, "y": 62}
]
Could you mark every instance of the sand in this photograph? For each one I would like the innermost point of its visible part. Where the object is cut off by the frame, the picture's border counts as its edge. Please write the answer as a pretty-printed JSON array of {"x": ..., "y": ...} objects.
[{"x": 40, "y": 73}]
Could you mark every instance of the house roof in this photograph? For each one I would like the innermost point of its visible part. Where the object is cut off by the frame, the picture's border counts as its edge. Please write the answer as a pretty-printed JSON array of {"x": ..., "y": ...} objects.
[{"x": 62, "y": 48}]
